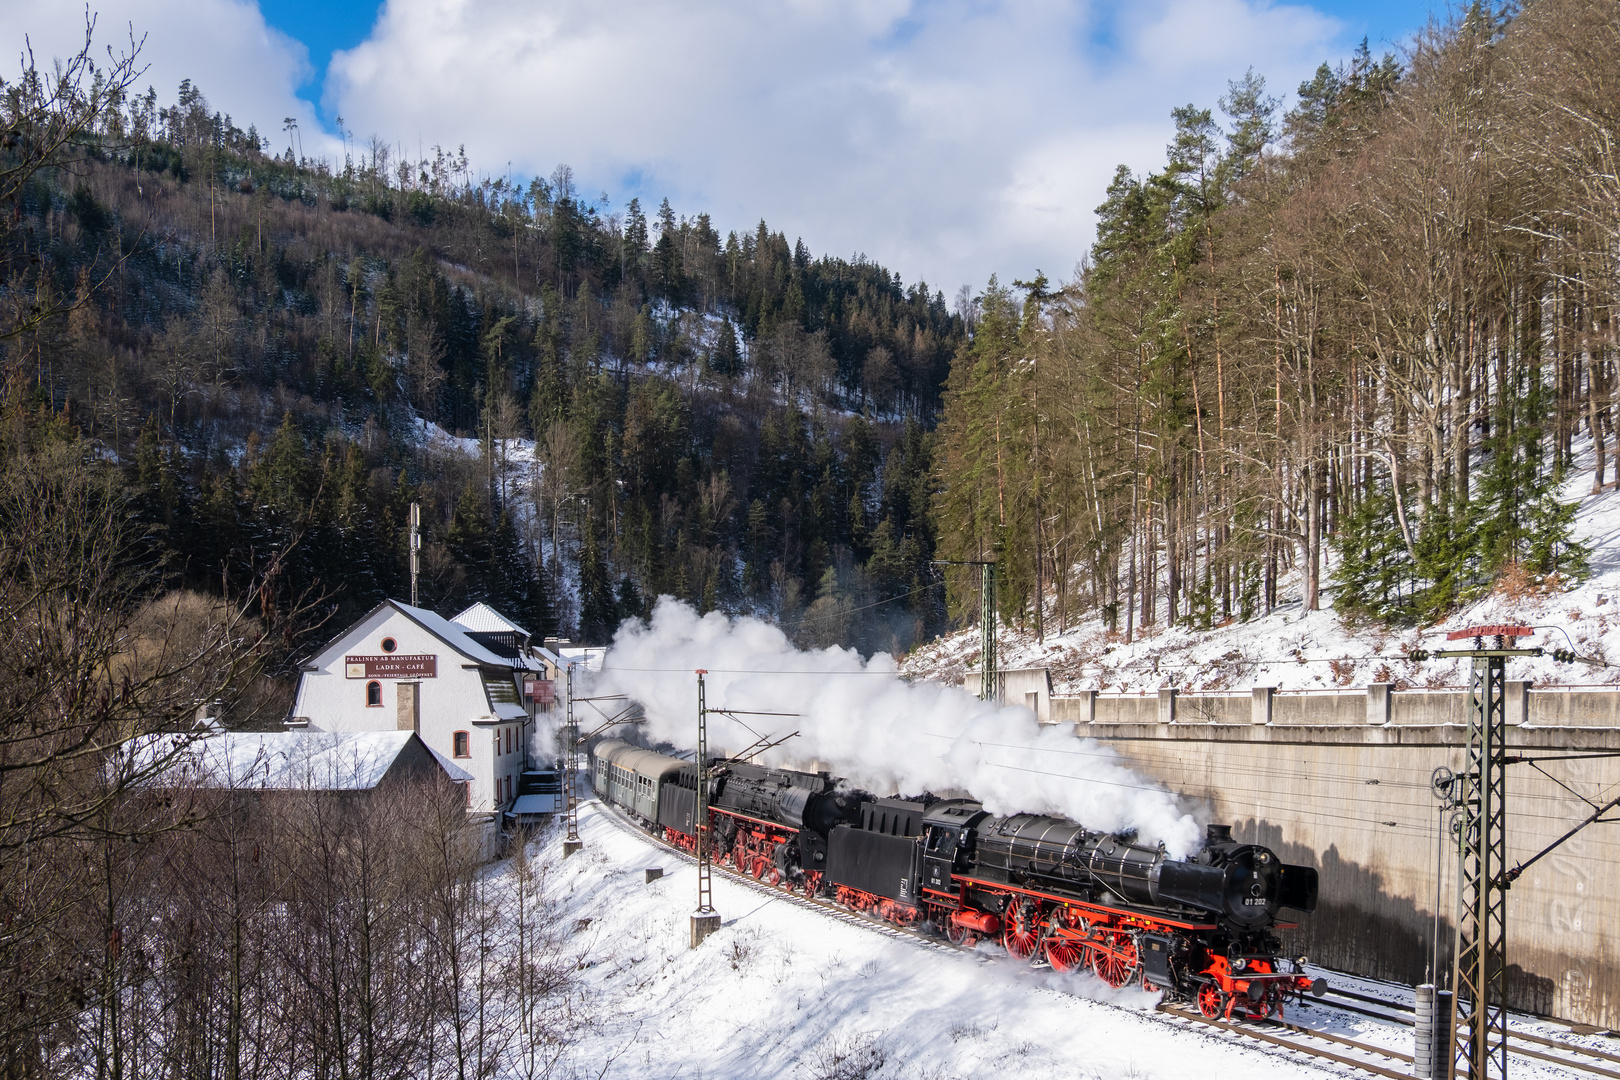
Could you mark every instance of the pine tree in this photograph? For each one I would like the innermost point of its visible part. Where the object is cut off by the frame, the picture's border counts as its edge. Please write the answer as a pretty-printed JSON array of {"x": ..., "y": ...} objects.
[
  {"x": 598, "y": 611},
  {"x": 726, "y": 359}
]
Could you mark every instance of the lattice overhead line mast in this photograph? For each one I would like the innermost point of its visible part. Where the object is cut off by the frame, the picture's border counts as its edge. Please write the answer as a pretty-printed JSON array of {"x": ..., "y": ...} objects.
[
  {"x": 570, "y": 734},
  {"x": 705, "y": 920},
  {"x": 1480, "y": 792},
  {"x": 574, "y": 742}
]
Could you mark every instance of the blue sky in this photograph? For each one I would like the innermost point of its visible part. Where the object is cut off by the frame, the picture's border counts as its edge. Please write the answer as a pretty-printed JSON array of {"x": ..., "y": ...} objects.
[
  {"x": 324, "y": 27},
  {"x": 946, "y": 139}
]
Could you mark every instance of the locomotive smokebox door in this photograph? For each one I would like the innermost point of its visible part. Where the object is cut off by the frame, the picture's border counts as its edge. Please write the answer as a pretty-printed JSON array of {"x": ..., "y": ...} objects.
[{"x": 1156, "y": 960}]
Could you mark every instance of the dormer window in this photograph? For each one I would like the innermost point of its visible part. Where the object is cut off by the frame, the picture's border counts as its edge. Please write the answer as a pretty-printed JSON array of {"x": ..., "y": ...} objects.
[
  {"x": 373, "y": 694},
  {"x": 459, "y": 743},
  {"x": 389, "y": 644}
]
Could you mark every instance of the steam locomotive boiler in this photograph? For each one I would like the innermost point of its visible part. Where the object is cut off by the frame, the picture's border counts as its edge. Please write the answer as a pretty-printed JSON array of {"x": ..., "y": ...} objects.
[{"x": 1047, "y": 889}]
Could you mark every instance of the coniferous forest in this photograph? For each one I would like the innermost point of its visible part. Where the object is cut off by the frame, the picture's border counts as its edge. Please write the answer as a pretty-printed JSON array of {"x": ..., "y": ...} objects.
[
  {"x": 253, "y": 340},
  {"x": 1360, "y": 341}
]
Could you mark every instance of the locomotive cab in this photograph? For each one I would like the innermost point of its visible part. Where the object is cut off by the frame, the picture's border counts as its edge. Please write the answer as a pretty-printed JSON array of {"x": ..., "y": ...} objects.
[{"x": 948, "y": 842}]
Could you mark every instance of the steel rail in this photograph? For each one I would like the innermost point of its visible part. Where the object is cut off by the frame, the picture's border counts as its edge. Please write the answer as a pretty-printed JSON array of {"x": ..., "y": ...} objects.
[{"x": 1299, "y": 1046}]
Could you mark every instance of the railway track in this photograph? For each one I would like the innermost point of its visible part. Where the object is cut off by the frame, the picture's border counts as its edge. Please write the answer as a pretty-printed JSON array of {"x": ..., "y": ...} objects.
[
  {"x": 1524, "y": 1044},
  {"x": 1309, "y": 1041},
  {"x": 1282, "y": 1037}
]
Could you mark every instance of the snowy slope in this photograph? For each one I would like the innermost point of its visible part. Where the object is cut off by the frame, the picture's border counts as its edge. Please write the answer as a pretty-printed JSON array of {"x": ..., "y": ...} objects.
[{"x": 1294, "y": 649}]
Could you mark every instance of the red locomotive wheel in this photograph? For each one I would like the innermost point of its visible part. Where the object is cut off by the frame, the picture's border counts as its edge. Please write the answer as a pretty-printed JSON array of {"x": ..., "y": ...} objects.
[
  {"x": 761, "y": 864},
  {"x": 773, "y": 876},
  {"x": 1120, "y": 966},
  {"x": 1020, "y": 942},
  {"x": 1211, "y": 1002},
  {"x": 954, "y": 934},
  {"x": 1063, "y": 956}
]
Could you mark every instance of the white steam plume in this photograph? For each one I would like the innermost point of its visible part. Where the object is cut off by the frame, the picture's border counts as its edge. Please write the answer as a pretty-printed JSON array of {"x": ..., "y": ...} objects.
[{"x": 865, "y": 723}]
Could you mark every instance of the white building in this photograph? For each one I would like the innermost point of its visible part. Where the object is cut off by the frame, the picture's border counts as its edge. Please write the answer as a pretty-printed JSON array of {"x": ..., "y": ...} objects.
[{"x": 458, "y": 683}]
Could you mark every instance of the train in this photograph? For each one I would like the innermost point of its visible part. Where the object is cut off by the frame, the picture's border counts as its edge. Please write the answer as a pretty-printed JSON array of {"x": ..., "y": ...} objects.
[{"x": 1203, "y": 930}]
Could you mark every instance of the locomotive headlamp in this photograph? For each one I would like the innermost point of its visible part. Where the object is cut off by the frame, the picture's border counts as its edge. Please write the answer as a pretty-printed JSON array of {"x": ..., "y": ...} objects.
[{"x": 1239, "y": 964}]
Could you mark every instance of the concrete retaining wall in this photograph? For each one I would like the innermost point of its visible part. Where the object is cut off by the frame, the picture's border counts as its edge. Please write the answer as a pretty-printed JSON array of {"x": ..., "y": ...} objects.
[{"x": 1321, "y": 785}]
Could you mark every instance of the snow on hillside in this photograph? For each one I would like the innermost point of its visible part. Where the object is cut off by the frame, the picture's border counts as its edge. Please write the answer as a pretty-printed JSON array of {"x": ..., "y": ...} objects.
[{"x": 1295, "y": 649}]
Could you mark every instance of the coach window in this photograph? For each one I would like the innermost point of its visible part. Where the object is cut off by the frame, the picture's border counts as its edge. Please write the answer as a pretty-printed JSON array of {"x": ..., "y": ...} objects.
[
  {"x": 460, "y": 745},
  {"x": 374, "y": 694}
]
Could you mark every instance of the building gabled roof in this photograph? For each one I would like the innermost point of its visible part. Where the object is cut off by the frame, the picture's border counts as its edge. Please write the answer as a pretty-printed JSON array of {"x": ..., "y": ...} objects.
[
  {"x": 456, "y": 637},
  {"x": 452, "y": 635},
  {"x": 284, "y": 760},
  {"x": 483, "y": 619},
  {"x": 456, "y": 773},
  {"x": 585, "y": 657},
  {"x": 502, "y": 693}
]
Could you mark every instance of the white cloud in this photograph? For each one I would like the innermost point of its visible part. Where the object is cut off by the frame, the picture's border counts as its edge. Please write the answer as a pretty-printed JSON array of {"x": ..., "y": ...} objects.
[
  {"x": 946, "y": 140},
  {"x": 244, "y": 67}
]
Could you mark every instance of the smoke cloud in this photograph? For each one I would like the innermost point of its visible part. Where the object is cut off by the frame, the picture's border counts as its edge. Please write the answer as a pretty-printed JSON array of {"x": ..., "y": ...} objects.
[{"x": 862, "y": 721}]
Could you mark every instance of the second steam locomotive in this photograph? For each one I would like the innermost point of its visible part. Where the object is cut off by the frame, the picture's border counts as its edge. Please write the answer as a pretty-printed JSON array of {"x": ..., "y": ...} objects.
[{"x": 1203, "y": 930}]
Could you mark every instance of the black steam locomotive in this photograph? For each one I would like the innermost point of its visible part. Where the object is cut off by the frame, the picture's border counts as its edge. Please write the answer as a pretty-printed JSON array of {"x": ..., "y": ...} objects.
[{"x": 1048, "y": 889}]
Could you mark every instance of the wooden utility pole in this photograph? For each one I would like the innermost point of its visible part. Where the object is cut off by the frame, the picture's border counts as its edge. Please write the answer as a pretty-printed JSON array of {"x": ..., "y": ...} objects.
[{"x": 989, "y": 670}]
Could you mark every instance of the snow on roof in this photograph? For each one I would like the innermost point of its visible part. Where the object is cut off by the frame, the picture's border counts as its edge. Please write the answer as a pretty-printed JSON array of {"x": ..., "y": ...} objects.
[
  {"x": 279, "y": 760},
  {"x": 536, "y": 804},
  {"x": 483, "y": 619},
  {"x": 456, "y": 773},
  {"x": 589, "y": 658},
  {"x": 451, "y": 634}
]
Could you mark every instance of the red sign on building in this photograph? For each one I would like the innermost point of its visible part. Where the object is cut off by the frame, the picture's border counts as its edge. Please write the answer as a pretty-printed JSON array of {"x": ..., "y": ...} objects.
[
  {"x": 399, "y": 666},
  {"x": 543, "y": 691}
]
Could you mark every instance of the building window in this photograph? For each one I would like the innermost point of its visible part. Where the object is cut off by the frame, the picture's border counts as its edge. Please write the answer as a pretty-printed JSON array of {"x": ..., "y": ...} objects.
[
  {"x": 508, "y": 740},
  {"x": 373, "y": 694},
  {"x": 460, "y": 745},
  {"x": 389, "y": 644}
]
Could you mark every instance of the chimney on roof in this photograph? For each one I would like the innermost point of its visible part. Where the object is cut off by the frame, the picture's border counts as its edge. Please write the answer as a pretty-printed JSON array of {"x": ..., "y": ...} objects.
[{"x": 408, "y": 705}]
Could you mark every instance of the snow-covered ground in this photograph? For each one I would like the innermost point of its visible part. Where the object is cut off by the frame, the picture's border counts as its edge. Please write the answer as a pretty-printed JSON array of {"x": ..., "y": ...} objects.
[
  {"x": 785, "y": 990},
  {"x": 1295, "y": 649}
]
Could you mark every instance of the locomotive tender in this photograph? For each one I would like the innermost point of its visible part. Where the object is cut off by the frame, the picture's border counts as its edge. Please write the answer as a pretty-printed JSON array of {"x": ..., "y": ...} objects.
[{"x": 1201, "y": 929}]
